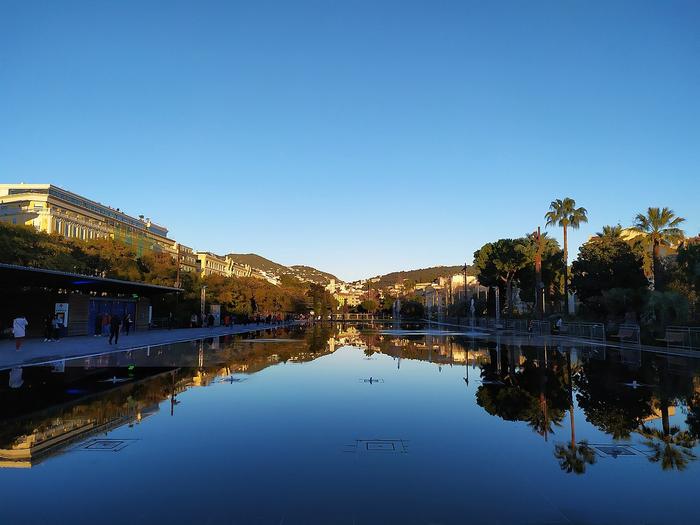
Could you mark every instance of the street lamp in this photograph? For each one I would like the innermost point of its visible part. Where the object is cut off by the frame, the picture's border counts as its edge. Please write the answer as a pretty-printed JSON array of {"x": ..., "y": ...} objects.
[
  {"x": 203, "y": 299},
  {"x": 498, "y": 304}
]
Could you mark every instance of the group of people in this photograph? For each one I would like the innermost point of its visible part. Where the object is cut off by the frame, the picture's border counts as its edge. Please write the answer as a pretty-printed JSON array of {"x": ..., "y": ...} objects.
[
  {"x": 52, "y": 327},
  {"x": 114, "y": 325},
  {"x": 197, "y": 321}
]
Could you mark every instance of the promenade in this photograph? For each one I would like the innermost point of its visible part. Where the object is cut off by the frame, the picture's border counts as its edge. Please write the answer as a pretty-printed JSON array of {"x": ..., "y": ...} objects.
[{"x": 36, "y": 351}]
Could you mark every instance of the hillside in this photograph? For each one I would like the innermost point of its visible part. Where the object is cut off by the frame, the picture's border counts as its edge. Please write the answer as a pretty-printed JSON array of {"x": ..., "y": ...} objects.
[
  {"x": 312, "y": 274},
  {"x": 422, "y": 275},
  {"x": 301, "y": 272}
]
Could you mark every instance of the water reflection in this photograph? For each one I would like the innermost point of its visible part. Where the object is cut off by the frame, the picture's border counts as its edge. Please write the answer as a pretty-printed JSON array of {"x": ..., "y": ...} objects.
[{"x": 636, "y": 400}]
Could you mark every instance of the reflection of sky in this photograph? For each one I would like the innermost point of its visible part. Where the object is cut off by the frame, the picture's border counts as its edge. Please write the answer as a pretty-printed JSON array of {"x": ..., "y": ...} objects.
[{"x": 272, "y": 447}]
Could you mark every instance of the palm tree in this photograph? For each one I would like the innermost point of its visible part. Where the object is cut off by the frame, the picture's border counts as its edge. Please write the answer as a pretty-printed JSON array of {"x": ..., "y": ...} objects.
[
  {"x": 610, "y": 233},
  {"x": 573, "y": 459},
  {"x": 660, "y": 227},
  {"x": 669, "y": 446},
  {"x": 564, "y": 213}
]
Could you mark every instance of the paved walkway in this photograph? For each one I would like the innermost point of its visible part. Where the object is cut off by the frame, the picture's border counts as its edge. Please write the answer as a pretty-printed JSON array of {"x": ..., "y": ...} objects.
[
  {"x": 36, "y": 351},
  {"x": 523, "y": 338}
]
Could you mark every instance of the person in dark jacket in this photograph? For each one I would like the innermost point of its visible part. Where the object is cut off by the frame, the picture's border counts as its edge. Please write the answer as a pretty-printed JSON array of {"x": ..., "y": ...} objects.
[
  {"x": 114, "y": 325},
  {"x": 127, "y": 323},
  {"x": 98, "y": 325},
  {"x": 48, "y": 328}
]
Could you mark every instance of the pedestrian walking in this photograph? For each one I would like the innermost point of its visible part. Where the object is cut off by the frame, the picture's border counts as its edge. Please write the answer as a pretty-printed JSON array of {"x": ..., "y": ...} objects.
[
  {"x": 210, "y": 320},
  {"x": 193, "y": 321},
  {"x": 48, "y": 328},
  {"x": 114, "y": 325},
  {"x": 106, "y": 320},
  {"x": 127, "y": 324},
  {"x": 19, "y": 329},
  {"x": 57, "y": 324},
  {"x": 98, "y": 325}
]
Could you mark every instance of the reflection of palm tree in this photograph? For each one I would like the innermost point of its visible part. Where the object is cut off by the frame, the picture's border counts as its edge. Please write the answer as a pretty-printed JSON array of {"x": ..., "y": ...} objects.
[
  {"x": 573, "y": 458},
  {"x": 670, "y": 446}
]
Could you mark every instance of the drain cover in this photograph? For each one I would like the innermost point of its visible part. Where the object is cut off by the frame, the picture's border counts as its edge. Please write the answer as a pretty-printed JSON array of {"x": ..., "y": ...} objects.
[
  {"x": 377, "y": 446},
  {"x": 105, "y": 445},
  {"x": 371, "y": 380}
]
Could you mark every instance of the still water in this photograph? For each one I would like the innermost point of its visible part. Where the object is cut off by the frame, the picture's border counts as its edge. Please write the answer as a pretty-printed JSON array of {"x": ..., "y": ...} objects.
[{"x": 355, "y": 425}]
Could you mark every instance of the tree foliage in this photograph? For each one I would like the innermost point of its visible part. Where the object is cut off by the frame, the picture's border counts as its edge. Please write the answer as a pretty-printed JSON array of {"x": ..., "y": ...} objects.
[
  {"x": 661, "y": 228},
  {"x": 603, "y": 264}
]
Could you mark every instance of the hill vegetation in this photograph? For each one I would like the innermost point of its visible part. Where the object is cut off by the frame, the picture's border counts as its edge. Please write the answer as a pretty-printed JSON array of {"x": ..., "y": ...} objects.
[
  {"x": 422, "y": 275},
  {"x": 300, "y": 272}
]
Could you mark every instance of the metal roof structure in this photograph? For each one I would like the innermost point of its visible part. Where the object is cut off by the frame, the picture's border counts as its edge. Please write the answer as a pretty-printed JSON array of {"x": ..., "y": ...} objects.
[{"x": 12, "y": 275}]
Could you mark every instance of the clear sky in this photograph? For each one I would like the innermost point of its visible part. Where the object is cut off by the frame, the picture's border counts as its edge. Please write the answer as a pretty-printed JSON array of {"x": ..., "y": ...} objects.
[{"x": 359, "y": 137}]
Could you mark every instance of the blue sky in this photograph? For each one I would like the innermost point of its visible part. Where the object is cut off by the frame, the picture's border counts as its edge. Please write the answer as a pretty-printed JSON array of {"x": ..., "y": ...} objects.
[{"x": 357, "y": 137}]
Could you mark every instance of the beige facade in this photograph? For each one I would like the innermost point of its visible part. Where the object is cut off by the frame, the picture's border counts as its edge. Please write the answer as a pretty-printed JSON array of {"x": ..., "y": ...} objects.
[
  {"x": 212, "y": 264},
  {"x": 57, "y": 211}
]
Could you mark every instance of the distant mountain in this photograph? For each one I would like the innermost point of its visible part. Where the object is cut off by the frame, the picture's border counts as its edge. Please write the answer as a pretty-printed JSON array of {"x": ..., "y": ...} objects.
[
  {"x": 422, "y": 275},
  {"x": 301, "y": 272}
]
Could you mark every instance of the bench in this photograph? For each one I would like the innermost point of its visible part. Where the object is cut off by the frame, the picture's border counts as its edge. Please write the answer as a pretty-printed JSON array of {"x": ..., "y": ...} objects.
[
  {"x": 674, "y": 338},
  {"x": 627, "y": 333}
]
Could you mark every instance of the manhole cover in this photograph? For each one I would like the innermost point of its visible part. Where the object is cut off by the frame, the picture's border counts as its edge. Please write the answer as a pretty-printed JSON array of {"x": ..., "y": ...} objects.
[
  {"x": 105, "y": 445},
  {"x": 377, "y": 446}
]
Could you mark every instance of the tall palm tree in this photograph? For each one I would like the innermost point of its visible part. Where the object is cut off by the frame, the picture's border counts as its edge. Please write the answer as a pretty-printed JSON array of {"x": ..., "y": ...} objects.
[
  {"x": 660, "y": 226},
  {"x": 610, "y": 232},
  {"x": 564, "y": 213}
]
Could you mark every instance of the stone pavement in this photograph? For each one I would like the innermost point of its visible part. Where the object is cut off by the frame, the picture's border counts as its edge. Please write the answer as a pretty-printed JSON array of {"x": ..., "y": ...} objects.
[{"x": 36, "y": 351}]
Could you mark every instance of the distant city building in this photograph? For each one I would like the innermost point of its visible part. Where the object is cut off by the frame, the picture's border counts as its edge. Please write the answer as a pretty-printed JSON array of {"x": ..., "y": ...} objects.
[
  {"x": 54, "y": 210},
  {"x": 212, "y": 264}
]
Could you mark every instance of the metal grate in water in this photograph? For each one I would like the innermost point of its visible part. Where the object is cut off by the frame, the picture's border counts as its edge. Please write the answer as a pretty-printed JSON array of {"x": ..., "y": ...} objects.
[
  {"x": 612, "y": 450},
  {"x": 230, "y": 379},
  {"x": 377, "y": 446},
  {"x": 104, "y": 445},
  {"x": 371, "y": 380}
]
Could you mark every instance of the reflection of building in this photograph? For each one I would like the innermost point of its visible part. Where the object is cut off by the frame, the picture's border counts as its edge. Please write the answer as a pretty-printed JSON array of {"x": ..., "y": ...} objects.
[
  {"x": 54, "y": 210},
  {"x": 656, "y": 413}
]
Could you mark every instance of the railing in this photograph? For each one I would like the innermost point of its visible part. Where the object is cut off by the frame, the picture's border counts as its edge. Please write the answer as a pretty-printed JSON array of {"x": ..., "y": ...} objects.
[
  {"x": 685, "y": 337},
  {"x": 594, "y": 331},
  {"x": 540, "y": 327},
  {"x": 354, "y": 317}
]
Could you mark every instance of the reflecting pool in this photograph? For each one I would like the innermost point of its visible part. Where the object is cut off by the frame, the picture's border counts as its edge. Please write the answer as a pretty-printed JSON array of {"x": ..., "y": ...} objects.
[{"x": 356, "y": 425}]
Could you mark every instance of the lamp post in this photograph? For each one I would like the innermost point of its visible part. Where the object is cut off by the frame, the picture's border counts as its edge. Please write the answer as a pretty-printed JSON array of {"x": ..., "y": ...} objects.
[
  {"x": 539, "y": 285},
  {"x": 203, "y": 300},
  {"x": 464, "y": 286}
]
